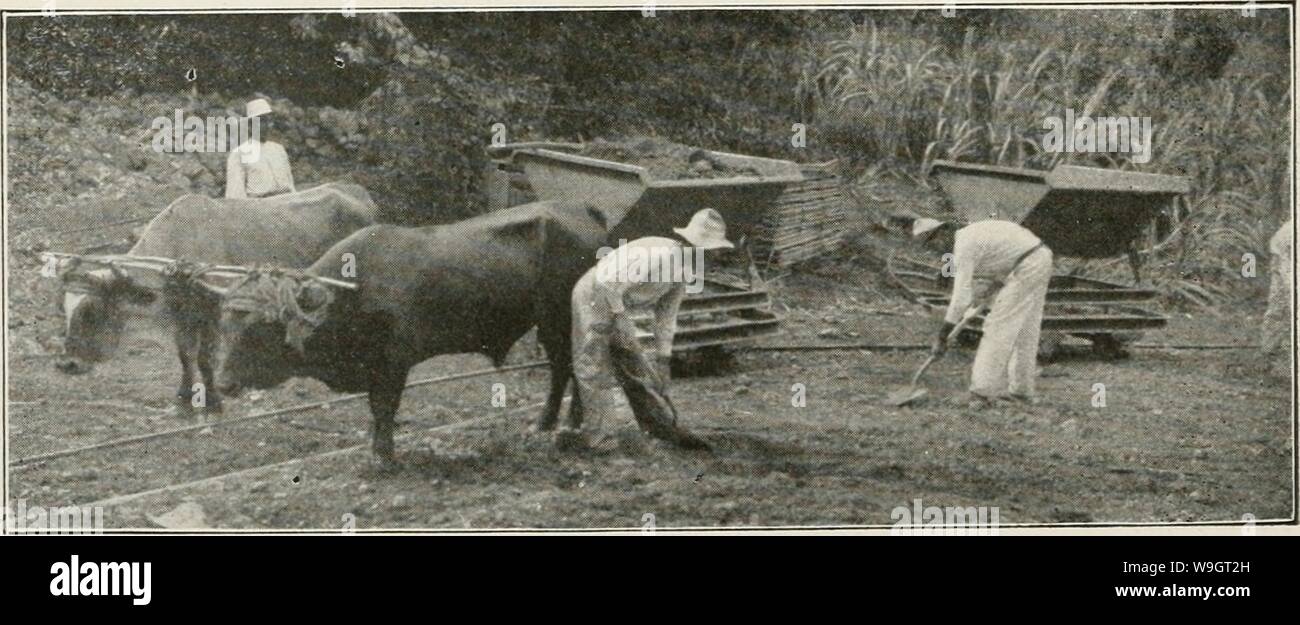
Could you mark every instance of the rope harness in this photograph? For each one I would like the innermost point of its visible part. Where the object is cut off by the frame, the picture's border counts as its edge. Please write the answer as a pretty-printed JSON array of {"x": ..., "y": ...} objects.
[{"x": 272, "y": 296}]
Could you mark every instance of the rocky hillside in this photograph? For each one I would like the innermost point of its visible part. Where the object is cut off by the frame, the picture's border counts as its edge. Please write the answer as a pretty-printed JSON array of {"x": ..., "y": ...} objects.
[
  {"x": 73, "y": 162},
  {"x": 83, "y": 173}
]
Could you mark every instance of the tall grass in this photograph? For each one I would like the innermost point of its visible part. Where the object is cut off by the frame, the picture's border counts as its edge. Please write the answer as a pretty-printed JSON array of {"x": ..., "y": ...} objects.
[{"x": 895, "y": 100}]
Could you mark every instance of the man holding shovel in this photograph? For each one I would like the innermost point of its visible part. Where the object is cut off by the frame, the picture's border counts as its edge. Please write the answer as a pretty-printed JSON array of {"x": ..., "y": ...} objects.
[
  {"x": 1019, "y": 266},
  {"x": 646, "y": 275}
]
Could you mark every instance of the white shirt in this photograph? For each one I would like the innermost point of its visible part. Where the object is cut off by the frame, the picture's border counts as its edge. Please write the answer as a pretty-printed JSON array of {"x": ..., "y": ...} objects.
[
  {"x": 649, "y": 273},
  {"x": 984, "y": 250},
  {"x": 258, "y": 169}
]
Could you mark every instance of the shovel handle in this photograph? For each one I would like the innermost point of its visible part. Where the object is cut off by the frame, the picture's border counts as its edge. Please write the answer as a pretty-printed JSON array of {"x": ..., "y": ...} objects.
[
  {"x": 916, "y": 377},
  {"x": 966, "y": 318}
]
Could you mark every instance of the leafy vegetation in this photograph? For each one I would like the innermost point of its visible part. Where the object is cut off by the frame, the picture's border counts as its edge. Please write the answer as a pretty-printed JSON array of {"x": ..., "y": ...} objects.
[
  {"x": 901, "y": 101},
  {"x": 887, "y": 91}
]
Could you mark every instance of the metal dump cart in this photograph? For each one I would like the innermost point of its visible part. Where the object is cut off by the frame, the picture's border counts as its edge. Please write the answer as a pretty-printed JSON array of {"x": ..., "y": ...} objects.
[
  {"x": 636, "y": 204},
  {"x": 1079, "y": 212}
]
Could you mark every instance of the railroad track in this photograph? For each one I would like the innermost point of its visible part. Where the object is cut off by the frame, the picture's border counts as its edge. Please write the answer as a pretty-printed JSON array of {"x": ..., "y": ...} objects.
[
  {"x": 907, "y": 347},
  {"x": 212, "y": 479},
  {"x": 328, "y": 403},
  {"x": 36, "y": 462},
  {"x": 117, "y": 442}
]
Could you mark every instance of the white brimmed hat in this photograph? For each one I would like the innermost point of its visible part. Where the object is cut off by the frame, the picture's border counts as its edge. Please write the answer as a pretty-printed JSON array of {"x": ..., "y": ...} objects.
[
  {"x": 923, "y": 226},
  {"x": 706, "y": 231},
  {"x": 258, "y": 107}
]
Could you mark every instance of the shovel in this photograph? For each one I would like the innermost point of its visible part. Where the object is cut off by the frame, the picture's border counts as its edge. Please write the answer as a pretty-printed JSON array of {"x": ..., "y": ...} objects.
[{"x": 909, "y": 394}]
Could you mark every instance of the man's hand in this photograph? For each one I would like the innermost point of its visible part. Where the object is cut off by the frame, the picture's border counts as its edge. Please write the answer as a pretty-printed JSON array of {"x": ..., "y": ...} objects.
[{"x": 940, "y": 344}]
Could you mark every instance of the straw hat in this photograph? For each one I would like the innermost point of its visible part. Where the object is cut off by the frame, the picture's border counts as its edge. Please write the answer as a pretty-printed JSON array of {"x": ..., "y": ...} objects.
[
  {"x": 706, "y": 231},
  {"x": 923, "y": 226},
  {"x": 258, "y": 107}
]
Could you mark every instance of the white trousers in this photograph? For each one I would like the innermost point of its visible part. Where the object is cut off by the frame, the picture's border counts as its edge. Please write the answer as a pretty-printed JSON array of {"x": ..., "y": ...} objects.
[
  {"x": 1009, "y": 345},
  {"x": 593, "y": 365}
]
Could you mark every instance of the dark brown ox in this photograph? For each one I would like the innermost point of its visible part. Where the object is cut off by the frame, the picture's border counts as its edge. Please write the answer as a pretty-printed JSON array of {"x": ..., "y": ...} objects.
[
  {"x": 472, "y": 287},
  {"x": 101, "y": 305}
]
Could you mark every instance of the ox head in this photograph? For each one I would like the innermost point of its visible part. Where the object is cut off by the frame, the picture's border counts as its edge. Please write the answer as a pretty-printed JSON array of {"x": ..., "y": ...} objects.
[
  {"x": 98, "y": 302},
  {"x": 266, "y": 319}
]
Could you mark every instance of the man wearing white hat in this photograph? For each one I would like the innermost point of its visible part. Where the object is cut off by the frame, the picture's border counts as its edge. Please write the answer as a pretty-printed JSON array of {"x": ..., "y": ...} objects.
[
  {"x": 629, "y": 280},
  {"x": 1014, "y": 260},
  {"x": 258, "y": 168}
]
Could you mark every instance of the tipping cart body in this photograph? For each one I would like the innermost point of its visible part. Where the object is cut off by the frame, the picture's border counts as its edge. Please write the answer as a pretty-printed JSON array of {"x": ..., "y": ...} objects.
[
  {"x": 1079, "y": 212},
  {"x": 635, "y": 204}
]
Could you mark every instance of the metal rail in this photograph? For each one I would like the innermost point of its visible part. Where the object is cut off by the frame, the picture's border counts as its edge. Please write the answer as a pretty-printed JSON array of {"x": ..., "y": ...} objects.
[
  {"x": 119, "y": 499},
  {"x": 900, "y": 347},
  {"x": 117, "y": 442}
]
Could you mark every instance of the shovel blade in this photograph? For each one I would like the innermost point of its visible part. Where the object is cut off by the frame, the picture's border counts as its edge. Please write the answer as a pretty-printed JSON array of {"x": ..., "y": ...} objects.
[{"x": 905, "y": 396}]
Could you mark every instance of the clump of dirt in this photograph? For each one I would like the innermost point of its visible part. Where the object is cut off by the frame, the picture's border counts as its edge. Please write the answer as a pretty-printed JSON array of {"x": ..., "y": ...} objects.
[{"x": 664, "y": 159}]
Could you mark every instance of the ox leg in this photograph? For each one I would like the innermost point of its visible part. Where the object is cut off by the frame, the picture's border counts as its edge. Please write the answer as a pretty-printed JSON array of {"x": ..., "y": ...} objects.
[
  {"x": 385, "y": 397},
  {"x": 575, "y": 405},
  {"x": 186, "y": 349},
  {"x": 559, "y": 383},
  {"x": 560, "y": 355},
  {"x": 207, "y": 349}
]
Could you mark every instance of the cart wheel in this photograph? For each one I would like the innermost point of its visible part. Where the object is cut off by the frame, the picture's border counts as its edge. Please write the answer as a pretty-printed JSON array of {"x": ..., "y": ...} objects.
[
  {"x": 707, "y": 360},
  {"x": 1110, "y": 346}
]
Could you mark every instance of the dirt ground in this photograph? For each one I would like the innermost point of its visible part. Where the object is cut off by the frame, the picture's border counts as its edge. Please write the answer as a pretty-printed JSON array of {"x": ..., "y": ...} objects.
[{"x": 1183, "y": 436}]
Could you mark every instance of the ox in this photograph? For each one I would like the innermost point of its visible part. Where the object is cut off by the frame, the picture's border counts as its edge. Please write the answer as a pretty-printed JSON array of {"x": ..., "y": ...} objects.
[
  {"x": 101, "y": 304},
  {"x": 476, "y": 286}
]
